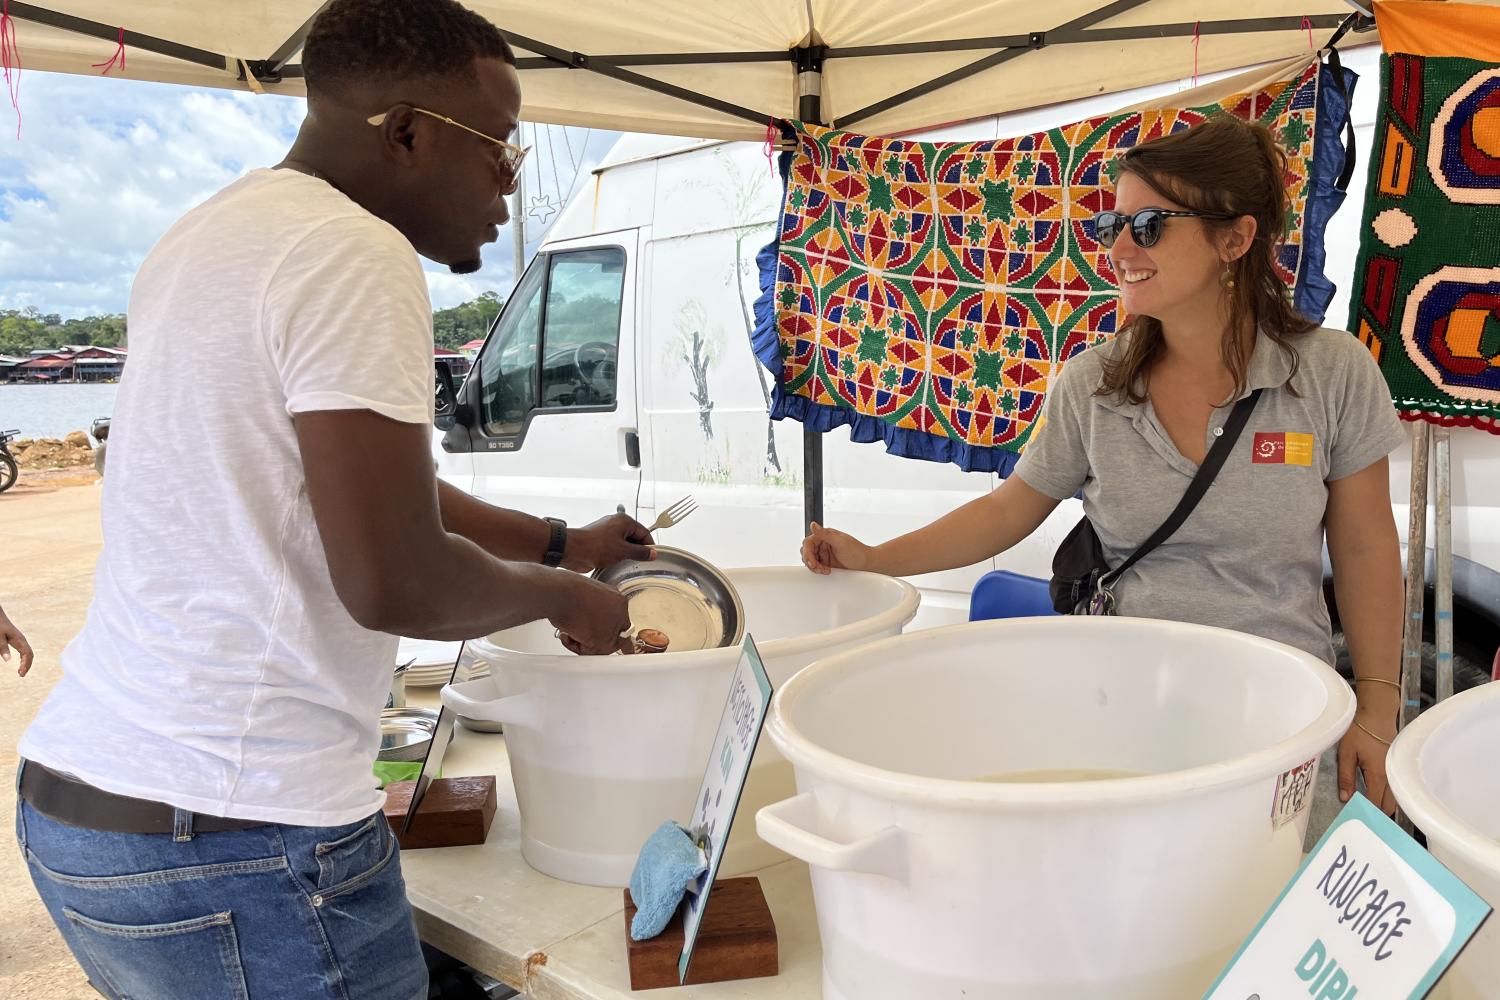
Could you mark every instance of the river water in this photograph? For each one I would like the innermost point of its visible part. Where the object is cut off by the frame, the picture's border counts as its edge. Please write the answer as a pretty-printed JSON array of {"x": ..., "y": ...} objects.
[{"x": 54, "y": 410}]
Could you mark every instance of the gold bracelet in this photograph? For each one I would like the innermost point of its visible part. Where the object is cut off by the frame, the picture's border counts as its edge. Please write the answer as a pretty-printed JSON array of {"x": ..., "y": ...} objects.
[
  {"x": 1378, "y": 680},
  {"x": 1371, "y": 735}
]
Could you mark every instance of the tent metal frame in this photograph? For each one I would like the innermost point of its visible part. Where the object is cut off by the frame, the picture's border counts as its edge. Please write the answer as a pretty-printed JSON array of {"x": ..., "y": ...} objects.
[{"x": 278, "y": 66}]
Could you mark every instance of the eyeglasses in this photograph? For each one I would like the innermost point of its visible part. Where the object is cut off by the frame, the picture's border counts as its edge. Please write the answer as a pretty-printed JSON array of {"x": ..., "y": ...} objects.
[
  {"x": 1145, "y": 225},
  {"x": 511, "y": 155}
]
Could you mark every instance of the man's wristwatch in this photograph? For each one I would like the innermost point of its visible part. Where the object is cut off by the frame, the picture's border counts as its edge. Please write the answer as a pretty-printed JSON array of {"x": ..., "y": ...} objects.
[{"x": 557, "y": 543}]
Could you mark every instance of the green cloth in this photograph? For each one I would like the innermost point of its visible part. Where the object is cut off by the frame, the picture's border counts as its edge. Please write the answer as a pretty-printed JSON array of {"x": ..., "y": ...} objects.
[
  {"x": 1426, "y": 296},
  {"x": 398, "y": 770}
]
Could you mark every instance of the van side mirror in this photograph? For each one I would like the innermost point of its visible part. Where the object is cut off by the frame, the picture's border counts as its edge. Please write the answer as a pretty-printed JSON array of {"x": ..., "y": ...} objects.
[{"x": 445, "y": 397}]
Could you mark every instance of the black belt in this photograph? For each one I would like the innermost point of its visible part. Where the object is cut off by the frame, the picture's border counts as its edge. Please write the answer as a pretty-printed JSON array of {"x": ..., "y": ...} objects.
[{"x": 76, "y": 803}]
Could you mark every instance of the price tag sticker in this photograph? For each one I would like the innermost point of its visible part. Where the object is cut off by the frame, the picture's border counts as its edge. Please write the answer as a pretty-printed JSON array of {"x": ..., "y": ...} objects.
[{"x": 1293, "y": 793}]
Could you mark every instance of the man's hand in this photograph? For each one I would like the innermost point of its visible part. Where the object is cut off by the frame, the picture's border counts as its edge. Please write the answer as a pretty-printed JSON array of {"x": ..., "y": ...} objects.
[
  {"x": 596, "y": 620},
  {"x": 607, "y": 541},
  {"x": 11, "y": 638}
]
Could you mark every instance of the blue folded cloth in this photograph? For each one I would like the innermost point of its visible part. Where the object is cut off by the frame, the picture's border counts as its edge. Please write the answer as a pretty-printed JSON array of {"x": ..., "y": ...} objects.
[{"x": 669, "y": 863}]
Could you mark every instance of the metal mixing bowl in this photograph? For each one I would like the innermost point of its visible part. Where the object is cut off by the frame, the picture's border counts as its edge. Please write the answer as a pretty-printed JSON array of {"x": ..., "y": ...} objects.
[{"x": 689, "y": 599}]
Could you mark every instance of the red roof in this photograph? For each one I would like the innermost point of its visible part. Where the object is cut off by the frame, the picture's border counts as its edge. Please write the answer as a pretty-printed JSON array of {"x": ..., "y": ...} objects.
[
  {"x": 473, "y": 345},
  {"x": 37, "y": 364}
]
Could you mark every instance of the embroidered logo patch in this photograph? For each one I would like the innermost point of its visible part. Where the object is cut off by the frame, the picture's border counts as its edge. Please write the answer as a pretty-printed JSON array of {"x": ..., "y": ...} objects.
[{"x": 1282, "y": 448}]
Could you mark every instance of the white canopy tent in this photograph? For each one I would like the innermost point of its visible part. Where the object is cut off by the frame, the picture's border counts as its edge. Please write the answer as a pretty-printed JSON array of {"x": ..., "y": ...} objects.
[{"x": 722, "y": 68}]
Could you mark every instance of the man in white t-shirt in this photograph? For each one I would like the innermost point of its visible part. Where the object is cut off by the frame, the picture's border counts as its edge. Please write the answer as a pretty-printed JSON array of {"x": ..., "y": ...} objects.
[{"x": 198, "y": 809}]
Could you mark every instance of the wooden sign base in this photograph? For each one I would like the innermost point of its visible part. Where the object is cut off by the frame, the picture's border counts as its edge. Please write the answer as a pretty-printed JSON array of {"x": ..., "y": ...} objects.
[
  {"x": 737, "y": 940},
  {"x": 456, "y": 812}
]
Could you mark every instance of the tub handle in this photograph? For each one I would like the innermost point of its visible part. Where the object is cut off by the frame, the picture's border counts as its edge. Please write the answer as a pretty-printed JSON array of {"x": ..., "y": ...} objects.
[
  {"x": 523, "y": 710},
  {"x": 785, "y": 825}
]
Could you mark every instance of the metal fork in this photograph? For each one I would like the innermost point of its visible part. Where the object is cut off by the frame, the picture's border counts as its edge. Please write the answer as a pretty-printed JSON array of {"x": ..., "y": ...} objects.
[{"x": 674, "y": 514}]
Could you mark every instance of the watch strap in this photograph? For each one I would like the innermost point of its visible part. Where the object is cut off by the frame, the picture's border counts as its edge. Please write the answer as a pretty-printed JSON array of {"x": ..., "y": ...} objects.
[{"x": 557, "y": 543}]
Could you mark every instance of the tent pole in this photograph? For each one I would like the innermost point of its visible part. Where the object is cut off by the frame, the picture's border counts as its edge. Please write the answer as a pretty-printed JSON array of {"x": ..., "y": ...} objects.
[
  {"x": 518, "y": 219},
  {"x": 1416, "y": 589},
  {"x": 1416, "y": 577},
  {"x": 810, "y": 109},
  {"x": 111, "y": 33},
  {"x": 1443, "y": 474},
  {"x": 284, "y": 52}
]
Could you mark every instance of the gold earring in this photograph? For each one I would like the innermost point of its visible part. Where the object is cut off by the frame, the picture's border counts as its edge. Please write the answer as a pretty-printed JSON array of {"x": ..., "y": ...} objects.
[{"x": 1228, "y": 278}]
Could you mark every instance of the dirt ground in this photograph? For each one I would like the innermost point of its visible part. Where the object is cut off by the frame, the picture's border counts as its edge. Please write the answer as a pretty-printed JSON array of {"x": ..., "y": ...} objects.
[{"x": 49, "y": 542}]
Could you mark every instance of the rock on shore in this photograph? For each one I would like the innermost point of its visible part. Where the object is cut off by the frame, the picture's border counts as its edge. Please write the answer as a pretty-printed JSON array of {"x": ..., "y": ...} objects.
[{"x": 50, "y": 453}]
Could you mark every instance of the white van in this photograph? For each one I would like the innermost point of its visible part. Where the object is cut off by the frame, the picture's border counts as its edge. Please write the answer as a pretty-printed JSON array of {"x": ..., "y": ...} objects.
[{"x": 620, "y": 374}]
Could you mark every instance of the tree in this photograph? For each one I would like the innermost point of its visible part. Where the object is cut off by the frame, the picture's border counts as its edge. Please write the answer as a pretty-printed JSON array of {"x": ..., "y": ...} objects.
[
  {"x": 23, "y": 331},
  {"x": 456, "y": 326},
  {"x": 30, "y": 329},
  {"x": 697, "y": 353}
]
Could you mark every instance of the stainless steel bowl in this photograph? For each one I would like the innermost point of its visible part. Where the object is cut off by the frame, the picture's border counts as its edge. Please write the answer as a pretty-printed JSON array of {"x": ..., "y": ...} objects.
[
  {"x": 689, "y": 599},
  {"x": 405, "y": 733},
  {"x": 480, "y": 726}
]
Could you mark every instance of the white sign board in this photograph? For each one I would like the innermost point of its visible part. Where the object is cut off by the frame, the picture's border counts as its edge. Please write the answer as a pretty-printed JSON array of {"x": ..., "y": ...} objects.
[
  {"x": 1369, "y": 915},
  {"x": 724, "y": 781}
]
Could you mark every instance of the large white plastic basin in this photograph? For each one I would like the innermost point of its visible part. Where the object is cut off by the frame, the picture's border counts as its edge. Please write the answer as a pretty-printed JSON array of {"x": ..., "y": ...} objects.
[
  {"x": 1442, "y": 769},
  {"x": 604, "y": 749},
  {"x": 931, "y": 884}
]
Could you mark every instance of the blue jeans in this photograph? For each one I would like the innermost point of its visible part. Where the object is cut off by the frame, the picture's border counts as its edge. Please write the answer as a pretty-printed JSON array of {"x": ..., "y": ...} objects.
[{"x": 269, "y": 913}]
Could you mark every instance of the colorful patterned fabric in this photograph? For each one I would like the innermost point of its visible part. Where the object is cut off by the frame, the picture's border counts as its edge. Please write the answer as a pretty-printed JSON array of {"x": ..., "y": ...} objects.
[
  {"x": 1427, "y": 294},
  {"x": 926, "y": 294}
]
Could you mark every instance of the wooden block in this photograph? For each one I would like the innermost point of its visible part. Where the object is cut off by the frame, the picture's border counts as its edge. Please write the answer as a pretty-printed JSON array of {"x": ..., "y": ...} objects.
[
  {"x": 455, "y": 812},
  {"x": 737, "y": 940}
]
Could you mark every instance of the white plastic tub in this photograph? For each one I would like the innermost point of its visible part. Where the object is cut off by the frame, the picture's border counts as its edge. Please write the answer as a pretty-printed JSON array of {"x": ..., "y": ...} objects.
[
  {"x": 603, "y": 749},
  {"x": 931, "y": 884},
  {"x": 1442, "y": 770}
]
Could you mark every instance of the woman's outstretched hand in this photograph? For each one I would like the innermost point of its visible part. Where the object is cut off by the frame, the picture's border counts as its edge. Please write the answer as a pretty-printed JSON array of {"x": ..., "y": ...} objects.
[{"x": 827, "y": 549}]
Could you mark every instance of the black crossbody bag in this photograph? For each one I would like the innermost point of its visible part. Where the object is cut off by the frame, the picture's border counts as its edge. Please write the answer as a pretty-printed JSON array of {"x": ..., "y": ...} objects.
[{"x": 1082, "y": 582}]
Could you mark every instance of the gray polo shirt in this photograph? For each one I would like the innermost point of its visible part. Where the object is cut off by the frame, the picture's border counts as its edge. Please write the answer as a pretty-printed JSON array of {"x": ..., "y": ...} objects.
[{"x": 1250, "y": 556}]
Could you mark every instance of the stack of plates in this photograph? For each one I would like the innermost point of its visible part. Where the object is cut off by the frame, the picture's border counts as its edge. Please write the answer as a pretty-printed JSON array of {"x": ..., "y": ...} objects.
[{"x": 433, "y": 664}]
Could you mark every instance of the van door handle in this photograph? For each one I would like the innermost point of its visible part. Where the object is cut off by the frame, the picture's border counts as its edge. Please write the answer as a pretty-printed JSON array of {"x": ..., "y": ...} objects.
[{"x": 632, "y": 449}]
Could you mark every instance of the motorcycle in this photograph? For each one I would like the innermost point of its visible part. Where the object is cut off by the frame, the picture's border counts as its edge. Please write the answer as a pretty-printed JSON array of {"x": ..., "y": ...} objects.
[
  {"x": 100, "y": 430},
  {"x": 9, "y": 471}
]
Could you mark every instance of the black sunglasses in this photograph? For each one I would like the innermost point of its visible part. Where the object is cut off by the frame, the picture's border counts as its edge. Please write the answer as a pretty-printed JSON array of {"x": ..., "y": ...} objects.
[{"x": 1145, "y": 225}]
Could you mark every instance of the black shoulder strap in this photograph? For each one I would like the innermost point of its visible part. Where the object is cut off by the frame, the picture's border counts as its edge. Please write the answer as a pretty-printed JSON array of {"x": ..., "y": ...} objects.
[
  {"x": 1351, "y": 153},
  {"x": 1212, "y": 462}
]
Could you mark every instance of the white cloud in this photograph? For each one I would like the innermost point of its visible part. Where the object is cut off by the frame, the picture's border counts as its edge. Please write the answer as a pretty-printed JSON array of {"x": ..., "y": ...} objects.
[{"x": 104, "y": 166}]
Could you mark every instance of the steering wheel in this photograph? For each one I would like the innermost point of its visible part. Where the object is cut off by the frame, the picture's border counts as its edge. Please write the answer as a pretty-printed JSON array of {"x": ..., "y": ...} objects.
[{"x": 596, "y": 372}]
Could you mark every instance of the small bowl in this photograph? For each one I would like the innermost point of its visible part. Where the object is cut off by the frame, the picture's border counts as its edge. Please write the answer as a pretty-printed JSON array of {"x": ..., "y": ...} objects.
[{"x": 406, "y": 733}]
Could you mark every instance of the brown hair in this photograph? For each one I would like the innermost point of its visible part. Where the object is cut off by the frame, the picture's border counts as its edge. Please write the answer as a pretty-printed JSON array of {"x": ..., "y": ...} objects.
[{"x": 1229, "y": 166}]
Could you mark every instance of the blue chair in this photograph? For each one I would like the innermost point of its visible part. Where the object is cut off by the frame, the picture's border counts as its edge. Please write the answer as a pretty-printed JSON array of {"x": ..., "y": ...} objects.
[{"x": 1003, "y": 594}]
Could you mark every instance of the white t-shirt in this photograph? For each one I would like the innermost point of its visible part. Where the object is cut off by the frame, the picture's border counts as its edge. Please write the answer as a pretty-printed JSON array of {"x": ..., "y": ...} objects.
[{"x": 217, "y": 670}]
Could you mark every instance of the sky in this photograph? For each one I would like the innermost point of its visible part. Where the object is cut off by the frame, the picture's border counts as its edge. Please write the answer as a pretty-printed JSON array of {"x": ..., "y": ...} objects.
[{"x": 103, "y": 167}]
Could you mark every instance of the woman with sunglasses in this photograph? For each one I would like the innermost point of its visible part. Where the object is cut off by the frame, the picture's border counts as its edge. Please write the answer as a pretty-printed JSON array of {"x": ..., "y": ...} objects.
[{"x": 1198, "y": 219}]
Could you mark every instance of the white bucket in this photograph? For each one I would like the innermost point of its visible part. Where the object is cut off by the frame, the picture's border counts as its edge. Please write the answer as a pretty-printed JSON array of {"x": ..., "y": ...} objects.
[
  {"x": 931, "y": 884},
  {"x": 1442, "y": 770},
  {"x": 604, "y": 749}
]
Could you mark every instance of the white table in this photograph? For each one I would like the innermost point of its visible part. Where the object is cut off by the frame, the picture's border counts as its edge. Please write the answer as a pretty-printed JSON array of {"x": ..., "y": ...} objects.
[{"x": 558, "y": 941}]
